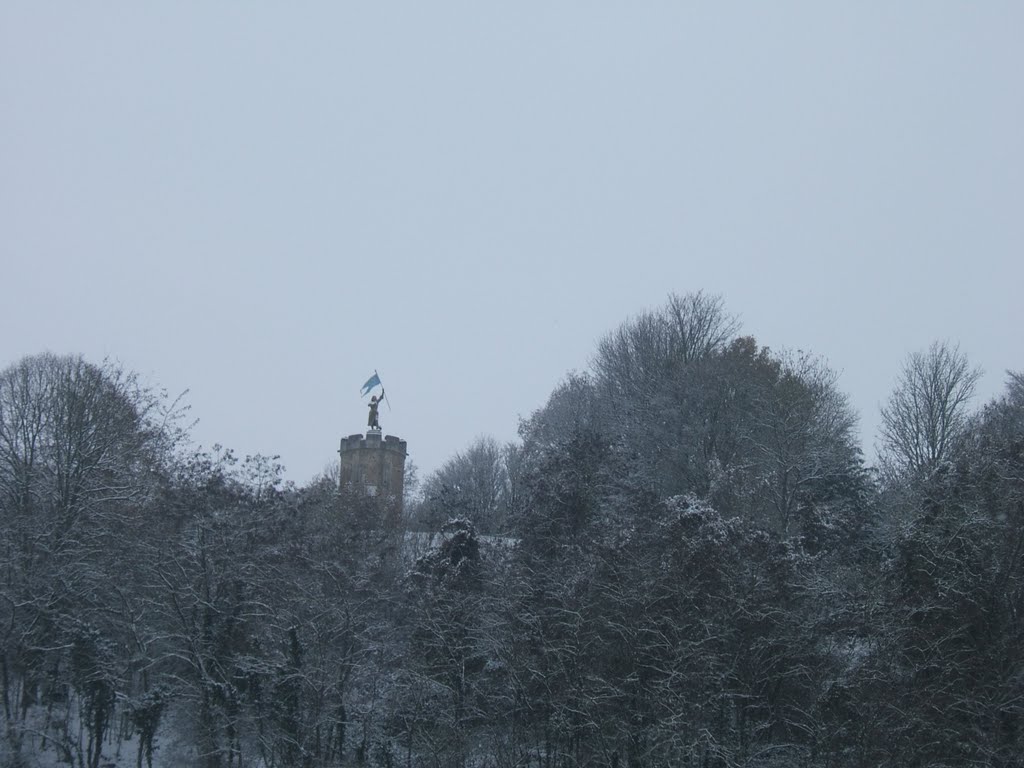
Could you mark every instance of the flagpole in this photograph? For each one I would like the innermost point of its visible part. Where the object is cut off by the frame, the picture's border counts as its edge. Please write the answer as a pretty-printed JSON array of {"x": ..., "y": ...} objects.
[{"x": 383, "y": 392}]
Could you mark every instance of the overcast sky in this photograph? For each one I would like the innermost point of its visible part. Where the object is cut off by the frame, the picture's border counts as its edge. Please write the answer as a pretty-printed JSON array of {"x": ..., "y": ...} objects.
[{"x": 264, "y": 202}]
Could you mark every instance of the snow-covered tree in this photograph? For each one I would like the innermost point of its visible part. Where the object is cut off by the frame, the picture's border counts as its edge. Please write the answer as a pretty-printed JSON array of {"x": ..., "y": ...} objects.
[{"x": 927, "y": 410}]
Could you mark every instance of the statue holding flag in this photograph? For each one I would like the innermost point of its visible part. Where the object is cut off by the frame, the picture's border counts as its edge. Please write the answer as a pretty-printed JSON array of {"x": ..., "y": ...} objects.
[{"x": 373, "y": 422}]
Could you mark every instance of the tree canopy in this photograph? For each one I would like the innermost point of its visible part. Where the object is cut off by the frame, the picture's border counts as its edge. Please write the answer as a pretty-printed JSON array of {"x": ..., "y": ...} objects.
[{"x": 683, "y": 560}]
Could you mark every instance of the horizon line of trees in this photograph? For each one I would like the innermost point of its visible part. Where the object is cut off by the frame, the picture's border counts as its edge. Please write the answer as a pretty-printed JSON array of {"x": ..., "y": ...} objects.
[{"x": 684, "y": 561}]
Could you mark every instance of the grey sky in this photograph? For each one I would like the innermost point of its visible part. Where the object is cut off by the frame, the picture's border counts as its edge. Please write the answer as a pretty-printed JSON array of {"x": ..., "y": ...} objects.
[{"x": 265, "y": 203}]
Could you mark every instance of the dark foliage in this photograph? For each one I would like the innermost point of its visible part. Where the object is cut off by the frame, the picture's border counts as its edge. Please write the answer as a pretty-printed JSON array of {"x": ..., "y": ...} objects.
[{"x": 684, "y": 563}]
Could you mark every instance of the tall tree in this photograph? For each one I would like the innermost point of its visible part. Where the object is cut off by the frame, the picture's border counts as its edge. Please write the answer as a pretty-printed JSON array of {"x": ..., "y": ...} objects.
[
  {"x": 927, "y": 411},
  {"x": 80, "y": 450},
  {"x": 643, "y": 350},
  {"x": 474, "y": 484},
  {"x": 802, "y": 444}
]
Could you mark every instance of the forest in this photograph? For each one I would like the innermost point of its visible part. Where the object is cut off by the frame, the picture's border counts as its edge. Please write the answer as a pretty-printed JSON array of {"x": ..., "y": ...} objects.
[{"x": 684, "y": 560}]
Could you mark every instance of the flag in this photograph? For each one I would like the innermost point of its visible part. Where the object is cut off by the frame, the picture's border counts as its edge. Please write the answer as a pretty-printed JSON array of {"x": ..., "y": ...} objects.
[{"x": 373, "y": 381}]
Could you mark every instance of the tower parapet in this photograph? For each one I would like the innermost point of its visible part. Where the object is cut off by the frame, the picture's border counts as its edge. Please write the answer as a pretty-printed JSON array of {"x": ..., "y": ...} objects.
[{"x": 374, "y": 464}]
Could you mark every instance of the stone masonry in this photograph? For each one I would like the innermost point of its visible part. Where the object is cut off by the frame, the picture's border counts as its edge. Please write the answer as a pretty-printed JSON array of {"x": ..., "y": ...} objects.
[{"x": 373, "y": 463}]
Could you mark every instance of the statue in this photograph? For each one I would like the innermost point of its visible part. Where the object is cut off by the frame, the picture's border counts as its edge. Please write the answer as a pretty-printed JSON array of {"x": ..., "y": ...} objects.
[{"x": 374, "y": 422}]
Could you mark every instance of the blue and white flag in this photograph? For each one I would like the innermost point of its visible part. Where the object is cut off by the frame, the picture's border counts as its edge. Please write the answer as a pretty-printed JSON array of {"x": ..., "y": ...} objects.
[{"x": 373, "y": 381}]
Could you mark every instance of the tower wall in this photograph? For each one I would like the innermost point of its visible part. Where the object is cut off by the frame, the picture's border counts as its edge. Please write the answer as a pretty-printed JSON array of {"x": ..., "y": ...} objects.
[{"x": 374, "y": 464}]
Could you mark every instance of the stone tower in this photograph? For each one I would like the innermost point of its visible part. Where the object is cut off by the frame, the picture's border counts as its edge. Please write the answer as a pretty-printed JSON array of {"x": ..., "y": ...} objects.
[{"x": 374, "y": 464}]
